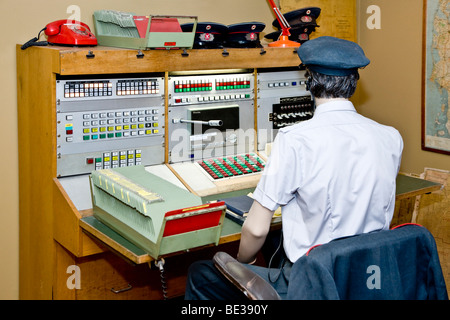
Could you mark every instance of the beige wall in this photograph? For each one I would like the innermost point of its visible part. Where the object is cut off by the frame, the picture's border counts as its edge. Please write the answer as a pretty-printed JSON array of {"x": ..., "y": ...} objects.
[
  {"x": 389, "y": 93},
  {"x": 391, "y": 85}
]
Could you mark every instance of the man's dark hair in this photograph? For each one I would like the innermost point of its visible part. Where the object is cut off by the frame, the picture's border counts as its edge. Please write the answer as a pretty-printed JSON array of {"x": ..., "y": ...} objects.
[{"x": 325, "y": 86}]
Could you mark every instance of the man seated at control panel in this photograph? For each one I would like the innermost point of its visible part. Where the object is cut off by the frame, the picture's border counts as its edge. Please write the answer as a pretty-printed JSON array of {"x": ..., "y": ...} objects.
[{"x": 334, "y": 175}]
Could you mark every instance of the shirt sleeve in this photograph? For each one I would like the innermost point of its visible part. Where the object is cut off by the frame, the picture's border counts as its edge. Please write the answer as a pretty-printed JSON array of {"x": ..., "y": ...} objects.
[{"x": 282, "y": 175}]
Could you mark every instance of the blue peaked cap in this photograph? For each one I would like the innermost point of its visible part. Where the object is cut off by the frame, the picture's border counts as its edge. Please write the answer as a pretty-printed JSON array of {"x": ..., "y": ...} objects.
[{"x": 332, "y": 56}]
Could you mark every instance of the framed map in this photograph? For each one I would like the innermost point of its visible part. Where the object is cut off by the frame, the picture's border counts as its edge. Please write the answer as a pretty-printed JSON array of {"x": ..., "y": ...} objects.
[{"x": 436, "y": 76}]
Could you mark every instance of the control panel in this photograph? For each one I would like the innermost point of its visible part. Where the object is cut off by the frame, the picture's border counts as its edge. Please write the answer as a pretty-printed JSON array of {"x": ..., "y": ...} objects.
[
  {"x": 210, "y": 115},
  {"x": 232, "y": 166},
  {"x": 108, "y": 123},
  {"x": 282, "y": 101}
]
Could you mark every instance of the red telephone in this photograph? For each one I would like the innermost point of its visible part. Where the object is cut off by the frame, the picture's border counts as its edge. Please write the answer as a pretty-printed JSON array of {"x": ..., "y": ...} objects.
[
  {"x": 70, "y": 32},
  {"x": 64, "y": 32}
]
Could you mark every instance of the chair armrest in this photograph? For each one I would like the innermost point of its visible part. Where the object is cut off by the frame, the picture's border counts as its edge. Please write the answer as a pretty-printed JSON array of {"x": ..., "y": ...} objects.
[{"x": 251, "y": 284}]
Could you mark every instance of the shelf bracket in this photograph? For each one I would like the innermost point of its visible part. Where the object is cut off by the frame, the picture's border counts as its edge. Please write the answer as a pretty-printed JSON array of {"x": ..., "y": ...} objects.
[
  {"x": 140, "y": 54},
  {"x": 185, "y": 53},
  {"x": 90, "y": 55}
]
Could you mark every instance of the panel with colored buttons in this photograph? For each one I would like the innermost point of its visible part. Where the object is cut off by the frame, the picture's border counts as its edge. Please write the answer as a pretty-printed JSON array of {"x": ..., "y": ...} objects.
[
  {"x": 99, "y": 88},
  {"x": 186, "y": 90},
  {"x": 115, "y": 159},
  {"x": 119, "y": 115},
  {"x": 232, "y": 166},
  {"x": 195, "y": 99},
  {"x": 282, "y": 101},
  {"x": 112, "y": 124}
]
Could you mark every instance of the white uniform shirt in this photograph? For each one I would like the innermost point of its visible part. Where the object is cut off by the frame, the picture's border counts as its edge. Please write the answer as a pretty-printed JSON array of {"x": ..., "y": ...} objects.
[{"x": 334, "y": 175}]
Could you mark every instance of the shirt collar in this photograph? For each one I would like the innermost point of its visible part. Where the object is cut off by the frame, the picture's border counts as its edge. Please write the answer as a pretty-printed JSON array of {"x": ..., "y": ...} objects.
[{"x": 334, "y": 106}]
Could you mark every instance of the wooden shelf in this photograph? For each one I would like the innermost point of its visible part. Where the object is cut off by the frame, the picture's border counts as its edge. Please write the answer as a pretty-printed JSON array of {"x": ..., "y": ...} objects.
[{"x": 109, "y": 60}]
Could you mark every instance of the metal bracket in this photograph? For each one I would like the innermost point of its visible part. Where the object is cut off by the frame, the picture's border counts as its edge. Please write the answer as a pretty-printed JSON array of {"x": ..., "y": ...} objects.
[
  {"x": 225, "y": 53},
  {"x": 185, "y": 53},
  {"x": 139, "y": 55},
  {"x": 90, "y": 55},
  {"x": 129, "y": 287}
]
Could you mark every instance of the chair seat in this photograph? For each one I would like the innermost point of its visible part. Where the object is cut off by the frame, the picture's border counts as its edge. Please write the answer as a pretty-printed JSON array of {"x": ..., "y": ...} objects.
[{"x": 401, "y": 263}]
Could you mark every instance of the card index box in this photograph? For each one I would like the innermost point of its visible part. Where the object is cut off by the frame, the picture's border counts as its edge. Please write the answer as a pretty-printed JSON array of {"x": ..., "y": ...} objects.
[{"x": 152, "y": 213}]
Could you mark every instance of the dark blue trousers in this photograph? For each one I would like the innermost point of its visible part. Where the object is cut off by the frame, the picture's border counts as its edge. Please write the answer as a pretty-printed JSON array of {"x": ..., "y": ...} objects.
[{"x": 205, "y": 282}]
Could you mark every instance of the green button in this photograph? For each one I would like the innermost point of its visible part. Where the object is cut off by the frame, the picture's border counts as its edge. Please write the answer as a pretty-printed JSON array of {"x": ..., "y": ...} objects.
[{"x": 85, "y": 138}]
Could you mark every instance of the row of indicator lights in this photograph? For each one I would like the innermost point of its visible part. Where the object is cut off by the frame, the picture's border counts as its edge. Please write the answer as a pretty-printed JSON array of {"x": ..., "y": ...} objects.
[
  {"x": 125, "y": 87},
  {"x": 192, "y": 85},
  {"x": 81, "y": 89},
  {"x": 149, "y": 128},
  {"x": 284, "y": 84},
  {"x": 118, "y": 114},
  {"x": 232, "y": 166},
  {"x": 120, "y": 134},
  {"x": 214, "y": 98},
  {"x": 296, "y": 107},
  {"x": 233, "y": 84},
  {"x": 87, "y": 89},
  {"x": 116, "y": 159},
  {"x": 120, "y": 128}
]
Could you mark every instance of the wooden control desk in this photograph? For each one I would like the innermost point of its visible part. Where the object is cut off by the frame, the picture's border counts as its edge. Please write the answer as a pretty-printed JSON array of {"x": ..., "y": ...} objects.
[
  {"x": 50, "y": 227},
  {"x": 407, "y": 187},
  {"x": 64, "y": 252}
]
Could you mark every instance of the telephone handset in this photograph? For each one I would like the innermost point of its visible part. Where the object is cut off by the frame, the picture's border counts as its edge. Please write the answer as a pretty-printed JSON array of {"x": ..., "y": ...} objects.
[{"x": 65, "y": 32}]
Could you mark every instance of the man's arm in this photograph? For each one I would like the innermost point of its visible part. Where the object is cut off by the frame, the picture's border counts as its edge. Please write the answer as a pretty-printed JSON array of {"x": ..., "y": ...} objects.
[{"x": 254, "y": 232}]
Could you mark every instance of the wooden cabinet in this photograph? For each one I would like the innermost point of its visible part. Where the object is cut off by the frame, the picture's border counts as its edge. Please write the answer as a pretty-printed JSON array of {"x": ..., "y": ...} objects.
[{"x": 51, "y": 239}]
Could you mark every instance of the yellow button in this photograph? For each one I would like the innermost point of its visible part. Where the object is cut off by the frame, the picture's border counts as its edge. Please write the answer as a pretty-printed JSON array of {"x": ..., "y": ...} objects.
[
  {"x": 94, "y": 130},
  {"x": 86, "y": 130},
  {"x": 102, "y": 129}
]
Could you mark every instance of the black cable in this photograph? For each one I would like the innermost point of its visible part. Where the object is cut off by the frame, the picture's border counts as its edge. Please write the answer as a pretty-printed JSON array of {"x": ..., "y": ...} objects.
[
  {"x": 35, "y": 42},
  {"x": 160, "y": 265},
  {"x": 281, "y": 264}
]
